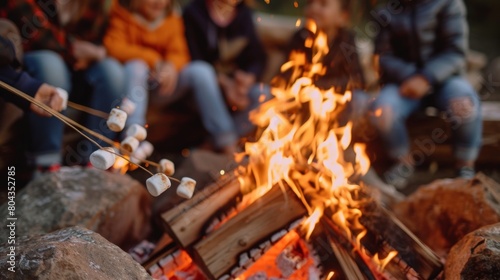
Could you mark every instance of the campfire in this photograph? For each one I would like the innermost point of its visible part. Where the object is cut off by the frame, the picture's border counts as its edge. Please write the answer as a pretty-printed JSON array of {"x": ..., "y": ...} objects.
[{"x": 295, "y": 207}]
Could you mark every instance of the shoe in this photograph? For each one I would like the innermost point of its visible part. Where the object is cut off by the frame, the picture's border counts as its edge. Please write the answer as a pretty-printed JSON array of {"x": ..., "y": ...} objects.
[
  {"x": 42, "y": 170},
  {"x": 399, "y": 174},
  {"x": 466, "y": 172},
  {"x": 49, "y": 169}
]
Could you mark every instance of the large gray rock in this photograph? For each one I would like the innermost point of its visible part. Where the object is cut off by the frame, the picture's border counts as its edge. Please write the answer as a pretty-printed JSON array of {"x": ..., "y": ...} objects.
[
  {"x": 72, "y": 253},
  {"x": 113, "y": 205},
  {"x": 476, "y": 256},
  {"x": 443, "y": 212}
]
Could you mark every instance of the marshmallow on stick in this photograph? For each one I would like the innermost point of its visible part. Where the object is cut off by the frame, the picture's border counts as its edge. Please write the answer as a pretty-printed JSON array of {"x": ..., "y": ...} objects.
[
  {"x": 103, "y": 159},
  {"x": 116, "y": 120},
  {"x": 158, "y": 184},
  {"x": 128, "y": 106},
  {"x": 137, "y": 131},
  {"x": 167, "y": 167},
  {"x": 64, "y": 96},
  {"x": 129, "y": 144},
  {"x": 186, "y": 188},
  {"x": 147, "y": 148}
]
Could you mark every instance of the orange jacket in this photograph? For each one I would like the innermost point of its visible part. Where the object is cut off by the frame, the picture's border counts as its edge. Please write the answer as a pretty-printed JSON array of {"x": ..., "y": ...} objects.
[{"x": 128, "y": 39}]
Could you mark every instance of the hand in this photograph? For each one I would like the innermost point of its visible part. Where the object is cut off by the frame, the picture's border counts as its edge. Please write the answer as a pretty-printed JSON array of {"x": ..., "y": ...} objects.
[
  {"x": 415, "y": 87},
  {"x": 244, "y": 81},
  {"x": 167, "y": 76},
  {"x": 236, "y": 96},
  {"x": 86, "y": 53},
  {"x": 47, "y": 95}
]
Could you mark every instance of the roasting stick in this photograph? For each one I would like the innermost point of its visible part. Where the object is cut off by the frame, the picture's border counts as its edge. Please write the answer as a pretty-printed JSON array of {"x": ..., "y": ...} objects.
[
  {"x": 88, "y": 110},
  {"x": 72, "y": 124}
]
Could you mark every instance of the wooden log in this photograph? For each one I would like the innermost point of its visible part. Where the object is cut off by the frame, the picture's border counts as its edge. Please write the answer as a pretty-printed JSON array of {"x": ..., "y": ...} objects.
[
  {"x": 186, "y": 223},
  {"x": 265, "y": 219},
  {"x": 410, "y": 249}
]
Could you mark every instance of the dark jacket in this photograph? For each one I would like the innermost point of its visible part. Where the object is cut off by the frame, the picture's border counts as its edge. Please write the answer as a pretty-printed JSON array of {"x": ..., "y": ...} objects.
[
  {"x": 427, "y": 37},
  {"x": 343, "y": 68},
  {"x": 18, "y": 79},
  {"x": 230, "y": 48}
]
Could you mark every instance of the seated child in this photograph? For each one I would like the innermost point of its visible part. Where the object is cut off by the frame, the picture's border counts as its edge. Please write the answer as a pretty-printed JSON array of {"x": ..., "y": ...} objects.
[
  {"x": 422, "y": 58},
  {"x": 149, "y": 39},
  {"x": 222, "y": 33}
]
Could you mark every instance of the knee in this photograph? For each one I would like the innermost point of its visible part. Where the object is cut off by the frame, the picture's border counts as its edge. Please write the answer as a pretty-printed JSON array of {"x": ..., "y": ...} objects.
[
  {"x": 49, "y": 67},
  {"x": 110, "y": 72},
  {"x": 464, "y": 107},
  {"x": 383, "y": 110},
  {"x": 136, "y": 67},
  {"x": 463, "y": 102},
  {"x": 200, "y": 70}
]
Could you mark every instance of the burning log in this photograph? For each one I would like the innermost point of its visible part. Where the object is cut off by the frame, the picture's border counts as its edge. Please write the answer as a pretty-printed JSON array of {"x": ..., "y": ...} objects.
[
  {"x": 186, "y": 222},
  {"x": 410, "y": 249},
  {"x": 226, "y": 252}
]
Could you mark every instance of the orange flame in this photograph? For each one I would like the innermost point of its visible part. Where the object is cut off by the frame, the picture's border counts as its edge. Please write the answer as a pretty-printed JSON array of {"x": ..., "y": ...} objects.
[{"x": 302, "y": 145}]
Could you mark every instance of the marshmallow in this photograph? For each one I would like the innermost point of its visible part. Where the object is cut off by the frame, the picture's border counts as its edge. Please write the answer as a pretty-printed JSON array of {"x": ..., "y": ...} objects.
[
  {"x": 64, "y": 96},
  {"x": 167, "y": 167},
  {"x": 138, "y": 156},
  {"x": 158, "y": 184},
  {"x": 147, "y": 148},
  {"x": 186, "y": 188},
  {"x": 128, "y": 106},
  {"x": 103, "y": 159},
  {"x": 129, "y": 144},
  {"x": 116, "y": 120},
  {"x": 137, "y": 131}
]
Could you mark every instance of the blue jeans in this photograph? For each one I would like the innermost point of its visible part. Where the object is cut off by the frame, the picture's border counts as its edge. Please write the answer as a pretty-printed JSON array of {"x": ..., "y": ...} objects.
[
  {"x": 390, "y": 110},
  {"x": 197, "y": 78},
  {"x": 106, "y": 81}
]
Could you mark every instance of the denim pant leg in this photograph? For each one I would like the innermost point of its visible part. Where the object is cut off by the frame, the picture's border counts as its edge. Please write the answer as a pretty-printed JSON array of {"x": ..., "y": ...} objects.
[
  {"x": 465, "y": 122},
  {"x": 258, "y": 94},
  {"x": 136, "y": 90},
  {"x": 200, "y": 78},
  {"x": 389, "y": 112},
  {"x": 107, "y": 80},
  {"x": 47, "y": 133}
]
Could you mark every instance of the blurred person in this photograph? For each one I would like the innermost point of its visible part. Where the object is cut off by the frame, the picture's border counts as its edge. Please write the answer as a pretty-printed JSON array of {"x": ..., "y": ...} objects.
[
  {"x": 149, "y": 39},
  {"x": 22, "y": 81},
  {"x": 343, "y": 68},
  {"x": 222, "y": 33},
  {"x": 62, "y": 45},
  {"x": 422, "y": 52}
]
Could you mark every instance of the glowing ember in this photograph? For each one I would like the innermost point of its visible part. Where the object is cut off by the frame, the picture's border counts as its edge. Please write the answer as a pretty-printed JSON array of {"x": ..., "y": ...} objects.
[{"x": 302, "y": 146}]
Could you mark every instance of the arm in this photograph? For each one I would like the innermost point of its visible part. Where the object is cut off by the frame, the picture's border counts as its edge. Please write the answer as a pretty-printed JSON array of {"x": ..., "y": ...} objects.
[
  {"x": 177, "y": 50},
  {"x": 393, "y": 68},
  {"x": 253, "y": 58},
  {"x": 453, "y": 35},
  {"x": 194, "y": 37},
  {"x": 44, "y": 35}
]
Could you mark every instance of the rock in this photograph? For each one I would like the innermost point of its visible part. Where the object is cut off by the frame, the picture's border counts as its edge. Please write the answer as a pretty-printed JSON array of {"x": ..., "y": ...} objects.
[
  {"x": 113, "y": 205},
  {"x": 71, "y": 253},
  {"x": 443, "y": 212},
  {"x": 476, "y": 256}
]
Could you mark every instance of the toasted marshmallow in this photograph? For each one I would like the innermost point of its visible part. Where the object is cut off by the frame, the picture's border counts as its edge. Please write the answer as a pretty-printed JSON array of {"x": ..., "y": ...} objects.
[
  {"x": 167, "y": 167},
  {"x": 137, "y": 131},
  {"x": 186, "y": 188},
  {"x": 158, "y": 184},
  {"x": 116, "y": 120}
]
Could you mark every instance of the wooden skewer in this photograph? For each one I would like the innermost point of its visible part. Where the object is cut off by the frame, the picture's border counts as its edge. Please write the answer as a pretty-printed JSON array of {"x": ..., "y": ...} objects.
[
  {"x": 88, "y": 110},
  {"x": 72, "y": 124}
]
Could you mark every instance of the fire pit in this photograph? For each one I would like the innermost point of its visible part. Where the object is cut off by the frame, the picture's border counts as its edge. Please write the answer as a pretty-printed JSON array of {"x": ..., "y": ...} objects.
[{"x": 294, "y": 208}]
